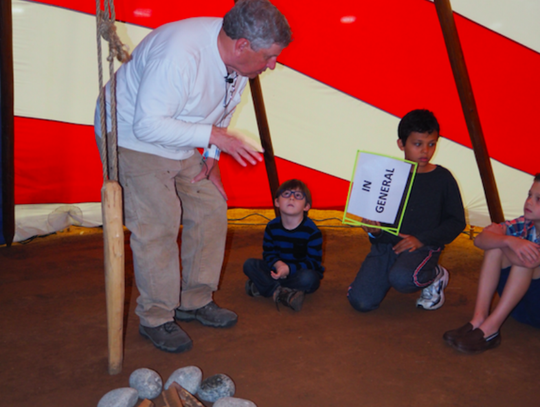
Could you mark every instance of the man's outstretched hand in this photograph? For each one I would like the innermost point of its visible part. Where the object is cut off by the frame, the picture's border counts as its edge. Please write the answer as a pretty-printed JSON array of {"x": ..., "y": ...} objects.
[{"x": 239, "y": 149}]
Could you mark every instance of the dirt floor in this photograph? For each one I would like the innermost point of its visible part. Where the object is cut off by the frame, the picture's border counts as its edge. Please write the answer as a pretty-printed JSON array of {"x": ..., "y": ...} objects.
[{"x": 54, "y": 342}]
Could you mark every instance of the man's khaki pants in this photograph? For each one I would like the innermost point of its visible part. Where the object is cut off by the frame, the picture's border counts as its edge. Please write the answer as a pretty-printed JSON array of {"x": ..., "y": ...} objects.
[{"x": 158, "y": 194}]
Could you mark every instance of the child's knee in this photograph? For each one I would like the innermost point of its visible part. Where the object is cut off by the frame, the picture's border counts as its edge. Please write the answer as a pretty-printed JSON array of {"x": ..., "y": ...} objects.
[
  {"x": 359, "y": 303},
  {"x": 309, "y": 281},
  {"x": 313, "y": 285},
  {"x": 250, "y": 267},
  {"x": 402, "y": 282}
]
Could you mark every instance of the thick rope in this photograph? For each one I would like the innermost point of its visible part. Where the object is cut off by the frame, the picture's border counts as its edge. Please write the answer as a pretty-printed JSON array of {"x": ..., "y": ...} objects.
[{"x": 107, "y": 30}]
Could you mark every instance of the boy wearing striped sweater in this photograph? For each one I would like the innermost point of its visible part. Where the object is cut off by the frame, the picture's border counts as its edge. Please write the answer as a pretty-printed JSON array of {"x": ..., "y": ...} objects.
[{"x": 292, "y": 251}]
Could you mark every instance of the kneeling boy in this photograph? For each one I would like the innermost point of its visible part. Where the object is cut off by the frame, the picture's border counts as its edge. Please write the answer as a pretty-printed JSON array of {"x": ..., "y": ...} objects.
[
  {"x": 433, "y": 218},
  {"x": 292, "y": 251}
]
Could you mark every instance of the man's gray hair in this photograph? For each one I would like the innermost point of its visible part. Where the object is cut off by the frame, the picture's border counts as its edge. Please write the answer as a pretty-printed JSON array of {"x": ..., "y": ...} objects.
[{"x": 259, "y": 22}]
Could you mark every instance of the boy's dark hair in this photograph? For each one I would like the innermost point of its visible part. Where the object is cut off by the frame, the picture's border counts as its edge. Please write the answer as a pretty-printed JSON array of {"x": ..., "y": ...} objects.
[
  {"x": 419, "y": 120},
  {"x": 294, "y": 184},
  {"x": 537, "y": 177}
]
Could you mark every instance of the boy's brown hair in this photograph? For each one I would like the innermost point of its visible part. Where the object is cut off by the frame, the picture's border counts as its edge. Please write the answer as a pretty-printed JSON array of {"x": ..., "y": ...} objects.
[{"x": 293, "y": 184}]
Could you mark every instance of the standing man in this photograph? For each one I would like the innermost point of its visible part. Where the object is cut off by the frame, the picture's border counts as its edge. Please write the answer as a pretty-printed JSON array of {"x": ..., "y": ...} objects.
[{"x": 178, "y": 93}]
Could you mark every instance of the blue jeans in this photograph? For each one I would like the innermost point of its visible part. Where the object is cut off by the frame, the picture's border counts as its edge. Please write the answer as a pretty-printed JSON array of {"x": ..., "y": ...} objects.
[
  {"x": 258, "y": 271},
  {"x": 527, "y": 311},
  {"x": 382, "y": 269}
]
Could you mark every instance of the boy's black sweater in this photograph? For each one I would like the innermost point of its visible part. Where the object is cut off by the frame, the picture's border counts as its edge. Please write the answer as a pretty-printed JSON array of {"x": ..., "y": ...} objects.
[{"x": 434, "y": 213}]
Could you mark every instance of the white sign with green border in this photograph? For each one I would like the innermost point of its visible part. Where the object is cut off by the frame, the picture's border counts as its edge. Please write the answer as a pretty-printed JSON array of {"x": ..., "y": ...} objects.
[{"x": 379, "y": 191}]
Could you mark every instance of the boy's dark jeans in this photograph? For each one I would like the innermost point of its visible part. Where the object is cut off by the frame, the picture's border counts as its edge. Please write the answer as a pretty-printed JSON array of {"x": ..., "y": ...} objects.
[
  {"x": 257, "y": 270},
  {"x": 407, "y": 272}
]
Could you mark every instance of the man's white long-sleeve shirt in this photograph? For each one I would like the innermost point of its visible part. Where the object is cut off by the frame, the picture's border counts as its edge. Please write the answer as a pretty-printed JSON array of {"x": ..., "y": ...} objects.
[{"x": 173, "y": 90}]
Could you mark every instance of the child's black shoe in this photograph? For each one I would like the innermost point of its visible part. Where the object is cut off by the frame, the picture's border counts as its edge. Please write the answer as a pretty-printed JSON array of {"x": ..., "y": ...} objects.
[
  {"x": 251, "y": 289},
  {"x": 289, "y": 297}
]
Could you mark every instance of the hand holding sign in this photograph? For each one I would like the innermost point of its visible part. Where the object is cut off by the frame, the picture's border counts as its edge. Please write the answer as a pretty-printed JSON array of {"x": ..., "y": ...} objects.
[{"x": 367, "y": 226}]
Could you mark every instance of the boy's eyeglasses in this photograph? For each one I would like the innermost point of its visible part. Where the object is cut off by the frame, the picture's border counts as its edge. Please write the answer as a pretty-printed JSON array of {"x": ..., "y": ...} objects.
[{"x": 298, "y": 195}]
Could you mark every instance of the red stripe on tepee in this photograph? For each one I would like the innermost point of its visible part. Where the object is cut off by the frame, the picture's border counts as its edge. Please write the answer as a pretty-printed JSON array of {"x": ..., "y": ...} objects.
[{"x": 59, "y": 163}]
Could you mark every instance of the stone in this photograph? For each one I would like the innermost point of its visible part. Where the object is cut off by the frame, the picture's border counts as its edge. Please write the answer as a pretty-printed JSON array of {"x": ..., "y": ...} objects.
[
  {"x": 147, "y": 382},
  {"x": 188, "y": 377},
  {"x": 233, "y": 402},
  {"x": 216, "y": 387},
  {"x": 122, "y": 397}
]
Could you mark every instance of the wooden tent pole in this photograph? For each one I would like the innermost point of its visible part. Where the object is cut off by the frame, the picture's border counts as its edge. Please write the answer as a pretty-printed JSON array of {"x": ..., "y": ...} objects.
[
  {"x": 111, "y": 192},
  {"x": 6, "y": 97},
  {"x": 468, "y": 104},
  {"x": 266, "y": 140},
  {"x": 264, "y": 134},
  {"x": 113, "y": 239}
]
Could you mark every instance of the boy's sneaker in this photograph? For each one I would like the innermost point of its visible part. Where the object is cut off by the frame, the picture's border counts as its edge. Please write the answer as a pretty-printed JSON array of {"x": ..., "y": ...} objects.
[
  {"x": 209, "y": 315},
  {"x": 168, "y": 337},
  {"x": 251, "y": 289},
  {"x": 289, "y": 297},
  {"x": 432, "y": 297}
]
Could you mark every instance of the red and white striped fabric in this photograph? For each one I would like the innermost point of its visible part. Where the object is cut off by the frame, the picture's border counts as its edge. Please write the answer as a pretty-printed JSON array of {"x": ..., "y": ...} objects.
[{"x": 353, "y": 69}]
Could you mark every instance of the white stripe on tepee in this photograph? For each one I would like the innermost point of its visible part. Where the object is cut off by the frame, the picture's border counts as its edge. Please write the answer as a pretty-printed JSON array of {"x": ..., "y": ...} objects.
[
  {"x": 55, "y": 61},
  {"x": 516, "y": 19}
]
